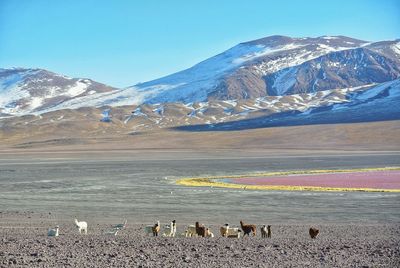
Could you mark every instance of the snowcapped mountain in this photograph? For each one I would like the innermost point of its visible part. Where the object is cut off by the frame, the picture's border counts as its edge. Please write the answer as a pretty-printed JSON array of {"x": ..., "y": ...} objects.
[
  {"x": 24, "y": 91},
  {"x": 271, "y": 66},
  {"x": 239, "y": 72}
]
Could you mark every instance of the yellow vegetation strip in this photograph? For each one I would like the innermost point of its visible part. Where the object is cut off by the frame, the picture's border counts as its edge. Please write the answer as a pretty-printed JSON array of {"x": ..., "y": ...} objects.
[{"x": 215, "y": 181}]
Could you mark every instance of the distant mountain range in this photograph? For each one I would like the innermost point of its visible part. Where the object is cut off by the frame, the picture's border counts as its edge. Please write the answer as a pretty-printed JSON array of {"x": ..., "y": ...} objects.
[{"x": 273, "y": 78}]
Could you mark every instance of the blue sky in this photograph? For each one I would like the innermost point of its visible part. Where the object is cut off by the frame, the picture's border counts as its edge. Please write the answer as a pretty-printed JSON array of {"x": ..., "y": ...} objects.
[{"x": 124, "y": 42}]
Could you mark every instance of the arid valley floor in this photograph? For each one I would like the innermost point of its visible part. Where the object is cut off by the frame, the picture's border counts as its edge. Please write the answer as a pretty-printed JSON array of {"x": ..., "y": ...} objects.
[{"x": 103, "y": 179}]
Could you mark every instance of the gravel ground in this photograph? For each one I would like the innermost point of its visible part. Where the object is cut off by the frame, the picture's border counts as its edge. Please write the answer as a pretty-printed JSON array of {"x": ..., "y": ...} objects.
[{"x": 24, "y": 242}]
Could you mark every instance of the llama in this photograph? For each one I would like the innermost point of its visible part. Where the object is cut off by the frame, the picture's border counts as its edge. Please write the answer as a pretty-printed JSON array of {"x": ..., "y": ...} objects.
[
  {"x": 266, "y": 231},
  {"x": 82, "y": 226},
  {"x": 209, "y": 233},
  {"x": 190, "y": 231},
  {"x": 234, "y": 232},
  {"x": 200, "y": 230},
  {"x": 227, "y": 231},
  {"x": 248, "y": 228},
  {"x": 156, "y": 228},
  {"x": 170, "y": 229},
  {"x": 263, "y": 230},
  {"x": 313, "y": 232},
  {"x": 224, "y": 230},
  {"x": 53, "y": 232},
  {"x": 173, "y": 228}
]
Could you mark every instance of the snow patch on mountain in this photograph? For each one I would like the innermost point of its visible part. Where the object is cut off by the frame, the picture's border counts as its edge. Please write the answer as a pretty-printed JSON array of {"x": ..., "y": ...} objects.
[
  {"x": 396, "y": 48},
  {"x": 285, "y": 79},
  {"x": 77, "y": 89},
  {"x": 263, "y": 52},
  {"x": 329, "y": 37},
  {"x": 296, "y": 57}
]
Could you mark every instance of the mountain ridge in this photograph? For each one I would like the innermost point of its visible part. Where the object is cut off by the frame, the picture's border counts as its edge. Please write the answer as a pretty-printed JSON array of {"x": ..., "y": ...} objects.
[{"x": 270, "y": 66}]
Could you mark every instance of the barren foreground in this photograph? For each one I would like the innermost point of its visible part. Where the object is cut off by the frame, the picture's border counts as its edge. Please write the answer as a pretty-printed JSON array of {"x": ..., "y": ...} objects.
[{"x": 24, "y": 242}]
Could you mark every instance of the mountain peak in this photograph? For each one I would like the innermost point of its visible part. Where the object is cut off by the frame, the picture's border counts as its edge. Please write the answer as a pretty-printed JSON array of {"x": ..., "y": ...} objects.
[
  {"x": 271, "y": 41},
  {"x": 280, "y": 40}
]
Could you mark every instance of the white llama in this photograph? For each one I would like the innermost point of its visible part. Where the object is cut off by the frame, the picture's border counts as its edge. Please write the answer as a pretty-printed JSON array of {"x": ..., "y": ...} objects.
[{"x": 82, "y": 226}]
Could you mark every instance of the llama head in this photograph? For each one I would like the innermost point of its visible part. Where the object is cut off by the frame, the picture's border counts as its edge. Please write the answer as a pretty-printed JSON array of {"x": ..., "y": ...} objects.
[{"x": 76, "y": 221}]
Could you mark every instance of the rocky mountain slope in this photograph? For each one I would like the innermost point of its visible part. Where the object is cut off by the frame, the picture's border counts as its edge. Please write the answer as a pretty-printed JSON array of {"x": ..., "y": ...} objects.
[{"x": 24, "y": 91}]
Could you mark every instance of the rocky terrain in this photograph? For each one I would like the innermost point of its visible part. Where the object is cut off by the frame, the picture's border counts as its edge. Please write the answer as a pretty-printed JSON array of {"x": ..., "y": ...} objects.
[{"x": 24, "y": 242}]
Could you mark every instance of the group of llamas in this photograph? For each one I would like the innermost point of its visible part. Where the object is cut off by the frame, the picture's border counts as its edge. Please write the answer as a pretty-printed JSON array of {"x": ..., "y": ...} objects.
[
  {"x": 200, "y": 230},
  {"x": 196, "y": 230}
]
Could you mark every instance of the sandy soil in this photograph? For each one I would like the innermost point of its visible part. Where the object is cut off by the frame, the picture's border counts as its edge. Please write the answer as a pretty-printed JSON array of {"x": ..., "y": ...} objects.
[{"x": 24, "y": 243}]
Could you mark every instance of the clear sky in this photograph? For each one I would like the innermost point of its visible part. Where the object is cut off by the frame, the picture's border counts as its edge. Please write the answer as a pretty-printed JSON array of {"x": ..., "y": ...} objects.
[{"x": 124, "y": 42}]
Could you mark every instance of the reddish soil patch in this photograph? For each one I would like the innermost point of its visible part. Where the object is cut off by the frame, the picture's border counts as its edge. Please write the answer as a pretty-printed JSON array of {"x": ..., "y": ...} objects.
[{"x": 373, "y": 179}]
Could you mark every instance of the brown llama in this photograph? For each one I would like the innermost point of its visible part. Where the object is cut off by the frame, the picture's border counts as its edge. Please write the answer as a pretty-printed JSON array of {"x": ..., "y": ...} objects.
[
  {"x": 248, "y": 228},
  {"x": 156, "y": 229},
  {"x": 200, "y": 230},
  {"x": 313, "y": 232}
]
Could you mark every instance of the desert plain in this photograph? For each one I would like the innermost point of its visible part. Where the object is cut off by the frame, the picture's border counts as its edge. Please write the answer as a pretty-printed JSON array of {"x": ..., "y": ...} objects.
[{"x": 47, "y": 179}]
